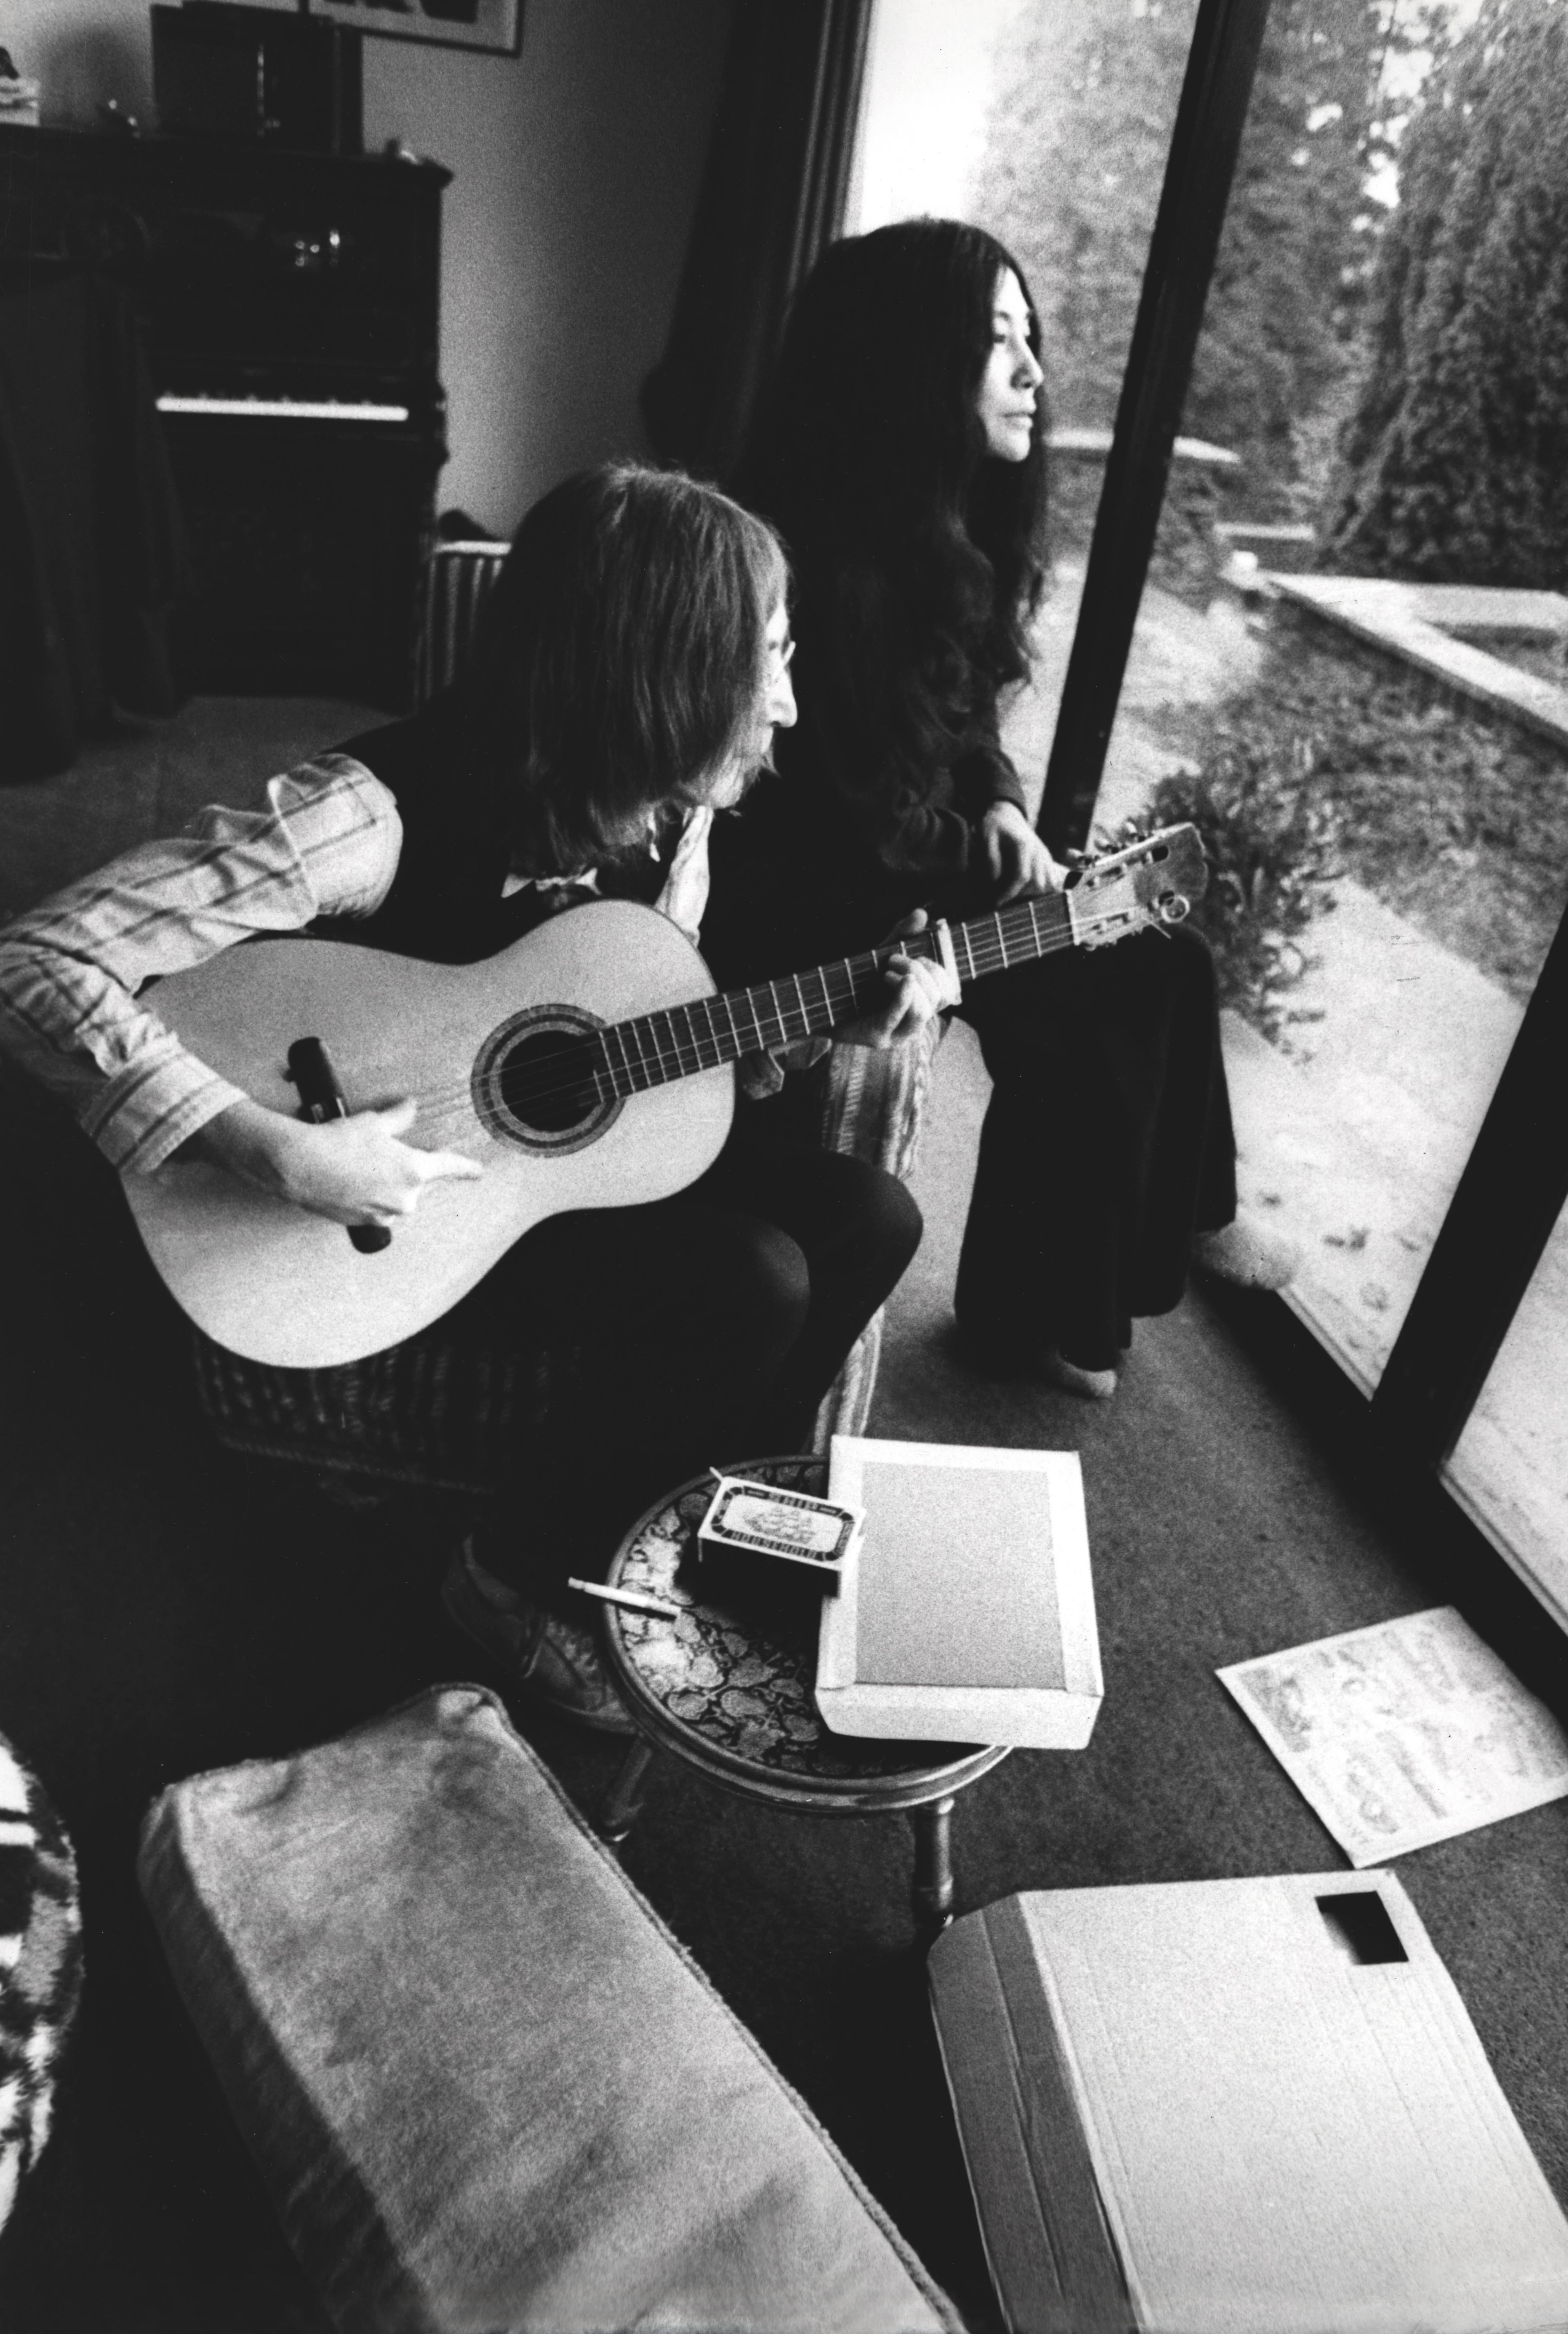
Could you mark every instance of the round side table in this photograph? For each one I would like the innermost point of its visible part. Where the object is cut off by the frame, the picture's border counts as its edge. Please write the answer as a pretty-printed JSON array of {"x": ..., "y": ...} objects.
[{"x": 728, "y": 1687}]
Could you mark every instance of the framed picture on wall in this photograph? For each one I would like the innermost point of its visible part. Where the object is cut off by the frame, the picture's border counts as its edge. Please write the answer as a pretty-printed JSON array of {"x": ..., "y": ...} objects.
[{"x": 493, "y": 26}]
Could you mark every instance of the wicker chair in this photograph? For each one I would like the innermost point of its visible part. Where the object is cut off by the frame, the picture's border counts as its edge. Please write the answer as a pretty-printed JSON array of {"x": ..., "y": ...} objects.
[
  {"x": 874, "y": 1109},
  {"x": 436, "y": 1415},
  {"x": 431, "y": 1414}
]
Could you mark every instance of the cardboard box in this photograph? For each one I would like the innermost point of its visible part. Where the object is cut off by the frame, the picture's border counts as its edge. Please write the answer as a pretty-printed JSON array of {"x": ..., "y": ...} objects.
[
  {"x": 1238, "y": 2107},
  {"x": 965, "y": 1609}
]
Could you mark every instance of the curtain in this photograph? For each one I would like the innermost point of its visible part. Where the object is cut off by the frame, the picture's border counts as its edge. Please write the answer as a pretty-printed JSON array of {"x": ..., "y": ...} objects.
[
  {"x": 91, "y": 544},
  {"x": 772, "y": 198}
]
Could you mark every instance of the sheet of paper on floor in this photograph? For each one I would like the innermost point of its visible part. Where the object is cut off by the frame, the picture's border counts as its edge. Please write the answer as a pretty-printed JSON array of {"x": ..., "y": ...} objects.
[{"x": 1403, "y": 1733}]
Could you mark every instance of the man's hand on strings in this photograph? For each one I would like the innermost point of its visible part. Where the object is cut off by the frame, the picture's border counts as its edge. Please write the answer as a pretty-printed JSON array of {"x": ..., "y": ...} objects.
[
  {"x": 917, "y": 987},
  {"x": 353, "y": 1171},
  {"x": 1021, "y": 866}
]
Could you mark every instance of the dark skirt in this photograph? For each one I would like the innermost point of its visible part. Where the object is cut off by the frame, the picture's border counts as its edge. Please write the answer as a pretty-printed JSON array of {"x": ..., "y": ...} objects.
[{"x": 1107, "y": 1144}]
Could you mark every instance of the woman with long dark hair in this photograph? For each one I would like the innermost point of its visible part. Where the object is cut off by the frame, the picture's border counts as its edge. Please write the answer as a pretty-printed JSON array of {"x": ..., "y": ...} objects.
[{"x": 899, "y": 451}]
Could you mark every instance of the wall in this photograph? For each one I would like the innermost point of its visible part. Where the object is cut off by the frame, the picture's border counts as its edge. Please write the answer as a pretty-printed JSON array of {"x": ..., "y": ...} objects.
[{"x": 575, "y": 172}]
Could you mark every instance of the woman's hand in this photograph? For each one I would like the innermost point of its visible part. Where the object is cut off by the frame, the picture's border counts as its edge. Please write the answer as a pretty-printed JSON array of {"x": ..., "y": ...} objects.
[
  {"x": 918, "y": 988},
  {"x": 353, "y": 1171},
  {"x": 1020, "y": 864}
]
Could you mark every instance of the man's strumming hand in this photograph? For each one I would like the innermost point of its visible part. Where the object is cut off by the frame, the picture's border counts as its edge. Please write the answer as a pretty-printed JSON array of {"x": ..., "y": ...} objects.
[{"x": 353, "y": 1171}]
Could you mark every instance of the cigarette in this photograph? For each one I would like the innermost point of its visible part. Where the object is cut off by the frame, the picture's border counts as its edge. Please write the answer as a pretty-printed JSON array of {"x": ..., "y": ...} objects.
[{"x": 631, "y": 1597}]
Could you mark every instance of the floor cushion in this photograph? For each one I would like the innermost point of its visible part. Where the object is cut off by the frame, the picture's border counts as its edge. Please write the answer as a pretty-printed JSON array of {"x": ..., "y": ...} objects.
[{"x": 484, "y": 2083}]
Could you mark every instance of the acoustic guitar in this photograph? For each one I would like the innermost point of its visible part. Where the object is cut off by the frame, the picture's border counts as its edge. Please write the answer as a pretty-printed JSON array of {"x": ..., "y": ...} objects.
[{"x": 586, "y": 1066}]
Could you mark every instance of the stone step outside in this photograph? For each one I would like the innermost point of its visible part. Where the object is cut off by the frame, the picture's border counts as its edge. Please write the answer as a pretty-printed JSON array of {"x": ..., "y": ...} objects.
[{"x": 1399, "y": 617}]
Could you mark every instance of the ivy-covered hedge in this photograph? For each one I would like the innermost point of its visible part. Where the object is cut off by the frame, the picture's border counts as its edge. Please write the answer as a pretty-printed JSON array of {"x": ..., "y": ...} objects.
[
  {"x": 1340, "y": 758},
  {"x": 1272, "y": 850}
]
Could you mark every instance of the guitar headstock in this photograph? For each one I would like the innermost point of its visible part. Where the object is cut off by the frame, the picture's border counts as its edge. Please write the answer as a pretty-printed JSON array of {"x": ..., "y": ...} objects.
[{"x": 1153, "y": 880}]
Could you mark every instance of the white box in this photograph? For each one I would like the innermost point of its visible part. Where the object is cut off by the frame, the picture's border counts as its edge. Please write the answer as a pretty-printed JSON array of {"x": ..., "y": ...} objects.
[
  {"x": 1238, "y": 2107},
  {"x": 966, "y": 1611}
]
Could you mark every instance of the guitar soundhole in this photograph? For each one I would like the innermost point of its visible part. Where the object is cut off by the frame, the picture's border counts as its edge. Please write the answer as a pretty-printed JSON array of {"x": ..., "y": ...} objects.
[{"x": 540, "y": 1081}]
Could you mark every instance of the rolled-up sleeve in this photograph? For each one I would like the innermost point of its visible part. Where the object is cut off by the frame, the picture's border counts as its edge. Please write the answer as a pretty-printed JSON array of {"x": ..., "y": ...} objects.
[{"x": 326, "y": 842}]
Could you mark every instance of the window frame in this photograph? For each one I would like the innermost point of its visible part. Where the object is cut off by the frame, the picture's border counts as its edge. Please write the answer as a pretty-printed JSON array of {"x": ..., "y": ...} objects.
[{"x": 1515, "y": 1185}]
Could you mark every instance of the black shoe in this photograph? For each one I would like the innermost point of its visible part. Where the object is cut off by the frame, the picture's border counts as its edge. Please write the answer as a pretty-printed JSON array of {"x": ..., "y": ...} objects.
[
  {"x": 550, "y": 1661},
  {"x": 1035, "y": 1364}
]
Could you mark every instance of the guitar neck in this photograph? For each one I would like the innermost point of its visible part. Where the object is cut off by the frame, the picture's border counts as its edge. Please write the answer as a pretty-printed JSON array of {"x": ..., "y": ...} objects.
[{"x": 683, "y": 1040}]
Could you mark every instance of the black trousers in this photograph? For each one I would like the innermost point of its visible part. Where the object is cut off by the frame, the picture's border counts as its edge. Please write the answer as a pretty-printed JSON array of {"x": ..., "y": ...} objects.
[
  {"x": 693, "y": 1331},
  {"x": 1107, "y": 1144}
]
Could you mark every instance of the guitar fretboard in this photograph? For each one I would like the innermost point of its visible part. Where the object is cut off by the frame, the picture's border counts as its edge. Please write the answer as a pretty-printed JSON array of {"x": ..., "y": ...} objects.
[{"x": 682, "y": 1040}]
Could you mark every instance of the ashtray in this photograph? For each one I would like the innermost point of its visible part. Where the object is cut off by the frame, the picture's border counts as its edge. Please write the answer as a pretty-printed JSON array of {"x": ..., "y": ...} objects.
[{"x": 762, "y": 1520}]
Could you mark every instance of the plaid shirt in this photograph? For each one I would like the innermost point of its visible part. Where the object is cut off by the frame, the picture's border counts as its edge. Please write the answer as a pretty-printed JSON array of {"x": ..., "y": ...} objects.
[{"x": 326, "y": 845}]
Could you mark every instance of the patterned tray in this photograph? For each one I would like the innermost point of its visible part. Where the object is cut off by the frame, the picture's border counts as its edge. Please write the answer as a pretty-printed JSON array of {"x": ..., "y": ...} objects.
[{"x": 734, "y": 1675}]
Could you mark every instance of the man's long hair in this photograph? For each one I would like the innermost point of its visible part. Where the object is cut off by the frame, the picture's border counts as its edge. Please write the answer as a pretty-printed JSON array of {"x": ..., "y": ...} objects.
[
  {"x": 620, "y": 659},
  {"x": 867, "y": 448}
]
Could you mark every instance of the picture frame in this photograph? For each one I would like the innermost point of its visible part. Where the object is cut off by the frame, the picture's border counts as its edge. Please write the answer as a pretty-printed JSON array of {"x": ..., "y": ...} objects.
[{"x": 489, "y": 27}]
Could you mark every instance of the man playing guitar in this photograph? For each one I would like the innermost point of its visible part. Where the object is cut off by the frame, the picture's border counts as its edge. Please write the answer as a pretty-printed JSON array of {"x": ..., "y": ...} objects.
[{"x": 631, "y": 667}]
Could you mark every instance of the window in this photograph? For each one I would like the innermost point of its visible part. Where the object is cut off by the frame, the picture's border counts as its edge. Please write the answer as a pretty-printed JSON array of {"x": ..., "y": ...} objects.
[
  {"x": 1347, "y": 663},
  {"x": 1510, "y": 1465}
]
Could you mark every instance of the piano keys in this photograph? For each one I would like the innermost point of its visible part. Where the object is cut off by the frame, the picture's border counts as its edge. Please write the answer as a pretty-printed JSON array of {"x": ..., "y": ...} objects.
[
  {"x": 281, "y": 409},
  {"x": 290, "y": 303}
]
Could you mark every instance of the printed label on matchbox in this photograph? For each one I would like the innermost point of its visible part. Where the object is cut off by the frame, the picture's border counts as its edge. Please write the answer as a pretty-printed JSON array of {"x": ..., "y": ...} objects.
[{"x": 779, "y": 1523}]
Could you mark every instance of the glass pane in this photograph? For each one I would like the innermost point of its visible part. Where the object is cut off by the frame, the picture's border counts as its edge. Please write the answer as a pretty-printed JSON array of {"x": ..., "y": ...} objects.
[
  {"x": 1047, "y": 123},
  {"x": 1510, "y": 1466},
  {"x": 1333, "y": 672},
  {"x": 935, "y": 74}
]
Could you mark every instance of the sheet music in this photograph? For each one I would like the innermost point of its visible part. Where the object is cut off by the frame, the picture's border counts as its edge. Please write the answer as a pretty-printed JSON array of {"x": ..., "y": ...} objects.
[{"x": 1403, "y": 1733}]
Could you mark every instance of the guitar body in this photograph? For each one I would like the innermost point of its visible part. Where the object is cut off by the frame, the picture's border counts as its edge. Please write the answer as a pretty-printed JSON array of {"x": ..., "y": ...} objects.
[
  {"x": 267, "y": 1280},
  {"x": 566, "y": 1065}
]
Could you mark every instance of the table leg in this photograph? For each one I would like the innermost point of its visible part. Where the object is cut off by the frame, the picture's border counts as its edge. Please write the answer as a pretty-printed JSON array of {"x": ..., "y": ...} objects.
[
  {"x": 934, "y": 1866},
  {"x": 624, "y": 1804}
]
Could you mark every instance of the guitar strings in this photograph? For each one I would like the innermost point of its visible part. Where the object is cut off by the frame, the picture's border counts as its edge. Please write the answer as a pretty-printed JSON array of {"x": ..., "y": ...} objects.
[
  {"x": 450, "y": 1105},
  {"x": 992, "y": 954}
]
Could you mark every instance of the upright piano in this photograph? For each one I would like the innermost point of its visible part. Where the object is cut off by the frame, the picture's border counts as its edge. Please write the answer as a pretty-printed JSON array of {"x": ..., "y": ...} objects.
[{"x": 290, "y": 307}]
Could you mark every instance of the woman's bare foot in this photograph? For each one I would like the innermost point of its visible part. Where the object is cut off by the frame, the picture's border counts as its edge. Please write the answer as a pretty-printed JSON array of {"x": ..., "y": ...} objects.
[{"x": 1247, "y": 1254}]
